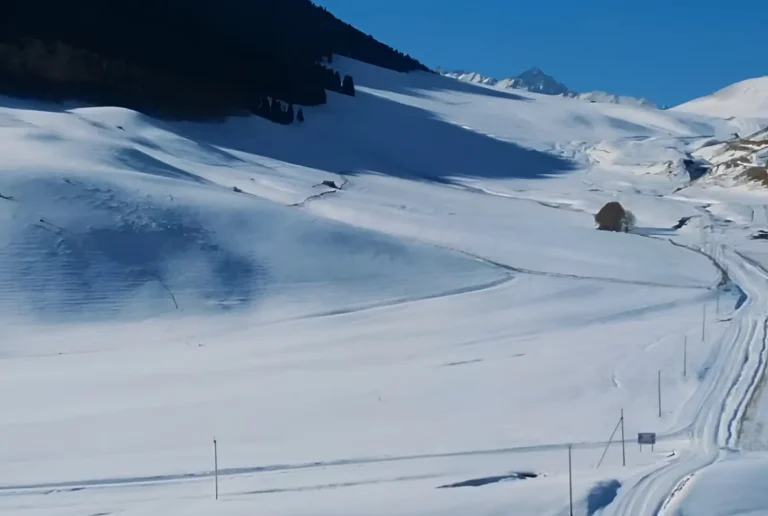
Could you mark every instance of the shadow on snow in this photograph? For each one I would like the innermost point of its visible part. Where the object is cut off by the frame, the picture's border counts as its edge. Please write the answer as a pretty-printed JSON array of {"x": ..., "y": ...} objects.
[
  {"x": 372, "y": 134},
  {"x": 602, "y": 495},
  {"x": 484, "y": 481}
]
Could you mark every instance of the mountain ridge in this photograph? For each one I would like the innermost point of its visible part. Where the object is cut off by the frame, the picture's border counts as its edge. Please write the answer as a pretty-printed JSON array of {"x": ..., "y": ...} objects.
[{"x": 535, "y": 80}]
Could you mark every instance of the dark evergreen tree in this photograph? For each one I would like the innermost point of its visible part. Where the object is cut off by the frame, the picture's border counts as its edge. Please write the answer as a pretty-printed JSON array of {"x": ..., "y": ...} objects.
[
  {"x": 332, "y": 80},
  {"x": 277, "y": 114},
  {"x": 348, "y": 86},
  {"x": 87, "y": 50},
  {"x": 265, "y": 109},
  {"x": 300, "y": 116},
  {"x": 328, "y": 78},
  {"x": 289, "y": 118}
]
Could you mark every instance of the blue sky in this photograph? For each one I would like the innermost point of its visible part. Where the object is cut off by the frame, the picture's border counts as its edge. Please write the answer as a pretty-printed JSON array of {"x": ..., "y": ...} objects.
[{"x": 668, "y": 51}]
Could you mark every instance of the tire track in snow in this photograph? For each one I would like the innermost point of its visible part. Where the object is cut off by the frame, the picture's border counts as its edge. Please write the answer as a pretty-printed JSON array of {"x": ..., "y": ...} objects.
[
  {"x": 724, "y": 278},
  {"x": 404, "y": 300},
  {"x": 563, "y": 275},
  {"x": 546, "y": 204},
  {"x": 734, "y": 424},
  {"x": 759, "y": 379}
]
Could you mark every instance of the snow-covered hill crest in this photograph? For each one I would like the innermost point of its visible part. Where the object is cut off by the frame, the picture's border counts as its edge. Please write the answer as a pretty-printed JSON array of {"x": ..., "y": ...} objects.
[{"x": 745, "y": 99}]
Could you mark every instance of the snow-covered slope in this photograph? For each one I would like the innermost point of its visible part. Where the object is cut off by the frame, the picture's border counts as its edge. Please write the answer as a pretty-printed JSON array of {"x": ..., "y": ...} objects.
[
  {"x": 447, "y": 318},
  {"x": 112, "y": 213},
  {"x": 746, "y": 99}
]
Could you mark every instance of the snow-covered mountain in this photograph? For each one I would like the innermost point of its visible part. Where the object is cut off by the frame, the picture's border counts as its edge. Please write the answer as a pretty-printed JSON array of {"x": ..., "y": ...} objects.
[
  {"x": 738, "y": 161},
  {"x": 609, "y": 98},
  {"x": 536, "y": 81},
  {"x": 742, "y": 158},
  {"x": 472, "y": 77},
  {"x": 533, "y": 80},
  {"x": 745, "y": 99}
]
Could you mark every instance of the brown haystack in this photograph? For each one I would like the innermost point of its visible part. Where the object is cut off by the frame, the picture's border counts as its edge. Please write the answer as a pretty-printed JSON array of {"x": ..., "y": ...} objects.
[{"x": 610, "y": 217}]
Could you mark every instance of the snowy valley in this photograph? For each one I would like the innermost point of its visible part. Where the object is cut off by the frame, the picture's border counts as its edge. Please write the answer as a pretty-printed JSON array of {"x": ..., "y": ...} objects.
[{"x": 400, "y": 306}]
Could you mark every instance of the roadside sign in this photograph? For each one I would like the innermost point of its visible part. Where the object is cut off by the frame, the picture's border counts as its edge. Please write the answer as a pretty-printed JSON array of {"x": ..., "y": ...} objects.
[{"x": 646, "y": 438}]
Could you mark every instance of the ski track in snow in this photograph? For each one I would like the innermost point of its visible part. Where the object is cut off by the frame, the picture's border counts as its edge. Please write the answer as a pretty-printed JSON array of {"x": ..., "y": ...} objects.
[{"x": 561, "y": 275}]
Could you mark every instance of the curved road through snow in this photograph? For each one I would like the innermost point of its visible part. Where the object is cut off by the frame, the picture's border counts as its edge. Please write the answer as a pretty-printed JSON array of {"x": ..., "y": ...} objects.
[{"x": 720, "y": 403}]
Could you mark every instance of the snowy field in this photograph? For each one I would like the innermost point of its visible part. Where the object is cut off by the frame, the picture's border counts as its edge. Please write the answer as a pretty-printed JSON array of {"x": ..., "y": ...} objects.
[{"x": 427, "y": 339}]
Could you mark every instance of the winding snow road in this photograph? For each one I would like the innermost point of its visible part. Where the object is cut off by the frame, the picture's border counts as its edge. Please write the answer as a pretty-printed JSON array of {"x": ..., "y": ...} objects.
[{"x": 722, "y": 399}]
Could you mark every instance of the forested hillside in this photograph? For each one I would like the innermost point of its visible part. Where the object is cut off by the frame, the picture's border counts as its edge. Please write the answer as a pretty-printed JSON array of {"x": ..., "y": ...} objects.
[{"x": 182, "y": 58}]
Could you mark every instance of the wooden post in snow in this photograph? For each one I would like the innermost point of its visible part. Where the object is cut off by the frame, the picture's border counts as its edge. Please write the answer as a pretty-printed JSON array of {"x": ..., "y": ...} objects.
[{"x": 216, "y": 466}]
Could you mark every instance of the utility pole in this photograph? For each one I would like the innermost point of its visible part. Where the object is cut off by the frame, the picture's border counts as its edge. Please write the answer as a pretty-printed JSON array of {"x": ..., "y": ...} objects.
[
  {"x": 619, "y": 423},
  {"x": 685, "y": 356},
  {"x": 623, "y": 452},
  {"x": 659, "y": 388},
  {"x": 570, "y": 479},
  {"x": 216, "y": 466},
  {"x": 717, "y": 304},
  {"x": 703, "y": 321}
]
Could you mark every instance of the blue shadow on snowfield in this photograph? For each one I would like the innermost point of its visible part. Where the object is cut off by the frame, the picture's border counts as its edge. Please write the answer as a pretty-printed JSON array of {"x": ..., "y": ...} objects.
[
  {"x": 372, "y": 134},
  {"x": 96, "y": 271},
  {"x": 602, "y": 495},
  {"x": 420, "y": 83}
]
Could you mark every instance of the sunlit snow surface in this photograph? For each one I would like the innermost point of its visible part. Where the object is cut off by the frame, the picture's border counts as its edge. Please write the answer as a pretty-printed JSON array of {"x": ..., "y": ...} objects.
[{"x": 426, "y": 340}]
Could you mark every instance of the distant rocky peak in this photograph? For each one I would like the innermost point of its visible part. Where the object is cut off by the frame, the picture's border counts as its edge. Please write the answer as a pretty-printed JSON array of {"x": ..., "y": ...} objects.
[
  {"x": 535, "y": 80},
  {"x": 534, "y": 72}
]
